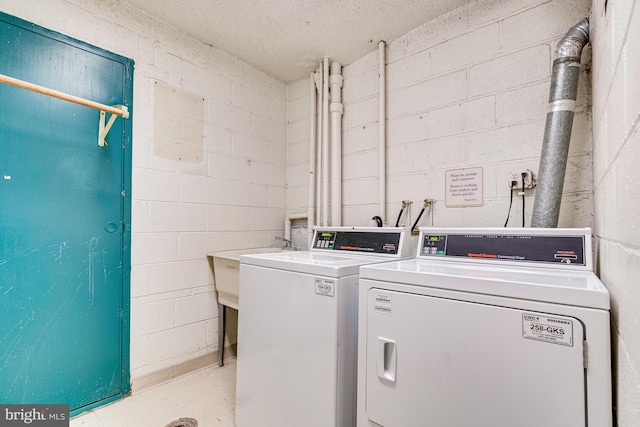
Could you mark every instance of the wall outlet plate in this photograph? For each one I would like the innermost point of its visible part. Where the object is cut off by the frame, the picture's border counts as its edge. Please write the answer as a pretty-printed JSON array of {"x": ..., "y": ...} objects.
[{"x": 516, "y": 176}]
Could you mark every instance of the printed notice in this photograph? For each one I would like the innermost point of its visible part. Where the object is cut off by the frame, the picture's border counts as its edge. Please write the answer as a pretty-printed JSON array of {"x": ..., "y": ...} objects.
[
  {"x": 325, "y": 287},
  {"x": 382, "y": 303},
  {"x": 463, "y": 187},
  {"x": 555, "y": 330}
]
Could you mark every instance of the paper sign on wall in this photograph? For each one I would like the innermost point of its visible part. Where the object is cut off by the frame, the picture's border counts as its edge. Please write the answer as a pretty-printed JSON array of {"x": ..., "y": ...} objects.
[{"x": 463, "y": 187}]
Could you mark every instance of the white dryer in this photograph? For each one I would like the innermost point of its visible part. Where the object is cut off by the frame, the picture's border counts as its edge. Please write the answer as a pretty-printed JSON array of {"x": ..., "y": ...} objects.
[
  {"x": 486, "y": 328},
  {"x": 297, "y": 330}
]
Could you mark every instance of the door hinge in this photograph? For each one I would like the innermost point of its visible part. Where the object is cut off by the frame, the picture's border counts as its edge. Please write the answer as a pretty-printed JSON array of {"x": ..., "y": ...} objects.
[{"x": 585, "y": 354}]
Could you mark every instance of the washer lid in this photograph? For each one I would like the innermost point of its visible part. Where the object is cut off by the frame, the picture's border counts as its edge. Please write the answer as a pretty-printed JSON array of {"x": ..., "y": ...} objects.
[
  {"x": 309, "y": 262},
  {"x": 575, "y": 287}
]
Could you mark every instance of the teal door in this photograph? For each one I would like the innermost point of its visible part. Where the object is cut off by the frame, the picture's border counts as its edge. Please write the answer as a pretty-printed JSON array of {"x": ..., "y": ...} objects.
[{"x": 64, "y": 223}]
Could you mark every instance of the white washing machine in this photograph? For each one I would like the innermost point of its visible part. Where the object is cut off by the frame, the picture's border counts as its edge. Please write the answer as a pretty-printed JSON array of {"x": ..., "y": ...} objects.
[
  {"x": 486, "y": 328},
  {"x": 297, "y": 329}
]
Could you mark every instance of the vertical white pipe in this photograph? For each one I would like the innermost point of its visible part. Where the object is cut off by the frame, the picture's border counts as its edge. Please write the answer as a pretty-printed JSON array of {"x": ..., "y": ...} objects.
[
  {"x": 336, "y": 108},
  {"x": 325, "y": 142},
  {"x": 312, "y": 158},
  {"x": 319, "y": 81},
  {"x": 382, "y": 117}
]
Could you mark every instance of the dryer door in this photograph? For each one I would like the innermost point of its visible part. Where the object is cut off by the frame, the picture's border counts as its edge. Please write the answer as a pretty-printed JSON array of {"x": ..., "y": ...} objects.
[{"x": 449, "y": 363}]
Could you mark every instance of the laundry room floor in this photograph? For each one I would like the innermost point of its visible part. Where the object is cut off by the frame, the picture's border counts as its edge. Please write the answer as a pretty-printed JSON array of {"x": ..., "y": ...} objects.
[{"x": 207, "y": 395}]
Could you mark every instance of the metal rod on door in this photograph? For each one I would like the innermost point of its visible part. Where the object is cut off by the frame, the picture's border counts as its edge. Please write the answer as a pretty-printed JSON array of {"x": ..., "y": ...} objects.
[{"x": 103, "y": 129}]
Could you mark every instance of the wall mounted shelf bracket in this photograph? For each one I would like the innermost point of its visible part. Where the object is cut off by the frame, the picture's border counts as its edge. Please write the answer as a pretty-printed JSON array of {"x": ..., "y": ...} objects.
[{"x": 103, "y": 129}]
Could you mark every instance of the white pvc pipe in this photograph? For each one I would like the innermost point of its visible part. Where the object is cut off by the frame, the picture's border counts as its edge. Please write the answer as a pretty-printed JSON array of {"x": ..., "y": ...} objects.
[
  {"x": 325, "y": 142},
  {"x": 336, "y": 108},
  {"x": 382, "y": 117},
  {"x": 312, "y": 157},
  {"x": 319, "y": 80}
]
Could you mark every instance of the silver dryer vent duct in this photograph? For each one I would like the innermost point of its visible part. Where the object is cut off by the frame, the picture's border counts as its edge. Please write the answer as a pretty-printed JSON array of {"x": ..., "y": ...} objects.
[{"x": 557, "y": 132}]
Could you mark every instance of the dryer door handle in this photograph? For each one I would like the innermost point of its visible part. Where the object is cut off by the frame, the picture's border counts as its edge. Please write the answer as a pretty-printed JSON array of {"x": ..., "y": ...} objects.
[{"x": 387, "y": 359}]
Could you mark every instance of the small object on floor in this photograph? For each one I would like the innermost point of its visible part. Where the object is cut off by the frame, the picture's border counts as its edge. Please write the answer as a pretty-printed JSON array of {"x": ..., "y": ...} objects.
[{"x": 183, "y": 422}]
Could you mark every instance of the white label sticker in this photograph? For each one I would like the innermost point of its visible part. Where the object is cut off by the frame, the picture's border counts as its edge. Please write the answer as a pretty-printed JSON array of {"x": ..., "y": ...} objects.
[
  {"x": 325, "y": 287},
  {"x": 555, "y": 330},
  {"x": 382, "y": 303}
]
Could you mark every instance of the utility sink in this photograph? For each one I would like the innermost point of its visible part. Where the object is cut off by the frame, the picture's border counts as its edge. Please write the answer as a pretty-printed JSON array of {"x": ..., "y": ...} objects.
[{"x": 226, "y": 273}]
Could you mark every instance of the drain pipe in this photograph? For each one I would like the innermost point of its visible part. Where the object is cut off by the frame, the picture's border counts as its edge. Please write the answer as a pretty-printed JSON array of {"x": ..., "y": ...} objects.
[
  {"x": 557, "y": 132},
  {"x": 312, "y": 157},
  {"x": 382, "y": 128},
  {"x": 325, "y": 142},
  {"x": 318, "y": 139},
  {"x": 336, "y": 108}
]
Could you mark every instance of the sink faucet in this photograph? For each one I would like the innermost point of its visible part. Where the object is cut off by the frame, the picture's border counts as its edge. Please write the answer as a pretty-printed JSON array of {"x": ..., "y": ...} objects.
[{"x": 286, "y": 243}]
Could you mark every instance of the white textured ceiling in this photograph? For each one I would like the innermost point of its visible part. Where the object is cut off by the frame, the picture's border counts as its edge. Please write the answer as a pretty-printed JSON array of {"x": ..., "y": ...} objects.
[{"x": 287, "y": 38}]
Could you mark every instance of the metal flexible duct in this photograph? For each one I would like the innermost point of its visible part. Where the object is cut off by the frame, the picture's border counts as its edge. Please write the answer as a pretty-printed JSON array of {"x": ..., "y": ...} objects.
[{"x": 557, "y": 132}]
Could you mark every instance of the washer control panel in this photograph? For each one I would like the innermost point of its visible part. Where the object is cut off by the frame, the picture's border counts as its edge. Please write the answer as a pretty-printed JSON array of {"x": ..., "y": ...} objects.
[
  {"x": 368, "y": 241},
  {"x": 554, "y": 249}
]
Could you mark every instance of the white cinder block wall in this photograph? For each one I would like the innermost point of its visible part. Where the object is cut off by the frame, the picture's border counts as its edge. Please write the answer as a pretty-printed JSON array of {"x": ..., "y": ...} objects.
[
  {"x": 469, "y": 89},
  {"x": 229, "y": 193},
  {"x": 616, "y": 130}
]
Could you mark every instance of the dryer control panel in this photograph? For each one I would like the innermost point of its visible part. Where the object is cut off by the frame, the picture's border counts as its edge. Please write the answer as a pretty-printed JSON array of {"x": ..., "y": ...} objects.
[
  {"x": 496, "y": 246},
  {"x": 374, "y": 240}
]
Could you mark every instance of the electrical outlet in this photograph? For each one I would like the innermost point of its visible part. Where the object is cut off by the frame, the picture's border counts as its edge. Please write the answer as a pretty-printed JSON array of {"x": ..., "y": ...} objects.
[{"x": 516, "y": 176}]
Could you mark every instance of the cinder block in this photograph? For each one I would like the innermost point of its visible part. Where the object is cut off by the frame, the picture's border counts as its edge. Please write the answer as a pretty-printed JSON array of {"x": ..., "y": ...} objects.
[
  {"x": 265, "y": 128},
  {"x": 177, "y": 276},
  {"x": 480, "y": 114},
  {"x": 140, "y": 216},
  {"x": 228, "y": 167},
  {"x": 437, "y": 92},
  {"x": 181, "y": 342},
  {"x": 437, "y": 31},
  {"x": 248, "y": 99},
  {"x": 542, "y": 23},
  {"x": 298, "y": 109},
  {"x": 361, "y": 138},
  {"x": 510, "y": 71},
  {"x": 298, "y": 153},
  {"x": 196, "y": 308},
  {"x": 150, "y": 248},
  {"x": 296, "y": 175},
  {"x": 228, "y": 218},
  {"x": 251, "y": 239},
  {"x": 263, "y": 219},
  {"x": 204, "y": 190},
  {"x": 139, "y": 281},
  {"x": 298, "y": 89},
  {"x": 447, "y": 121},
  {"x": 410, "y": 69},
  {"x": 268, "y": 173},
  {"x": 407, "y": 129},
  {"x": 195, "y": 246},
  {"x": 476, "y": 46},
  {"x": 298, "y": 131},
  {"x": 150, "y": 318},
  {"x": 356, "y": 192},
  {"x": 521, "y": 141},
  {"x": 250, "y": 147},
  {"x": 249, "y": 194},
  {"x": 228, "y": 117},
  {"x": 361, "y": 87},
  {"x": 361, "y": 112},
  {"x": 522, "y": 104},
  {"x": 177, "y": 217},
  {"x": 434, "y": 154},
  {"x": 216, "y": 139},
  {"x": 155, "y": 185}
]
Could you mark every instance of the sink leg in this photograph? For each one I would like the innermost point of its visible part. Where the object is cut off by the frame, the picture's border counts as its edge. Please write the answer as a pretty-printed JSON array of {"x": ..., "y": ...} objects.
[{"x": 222, "y": 323}]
